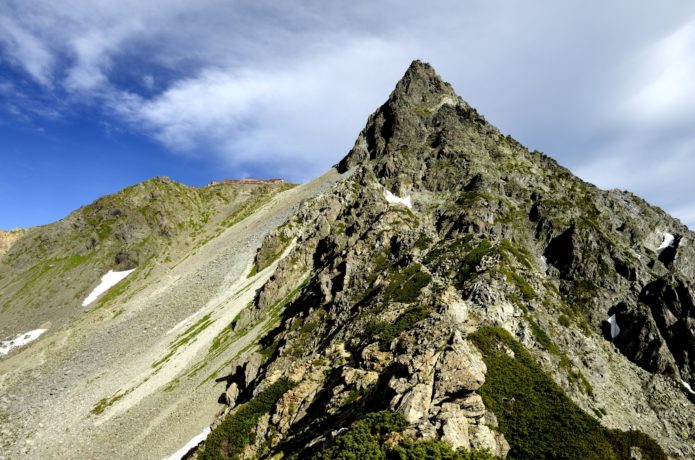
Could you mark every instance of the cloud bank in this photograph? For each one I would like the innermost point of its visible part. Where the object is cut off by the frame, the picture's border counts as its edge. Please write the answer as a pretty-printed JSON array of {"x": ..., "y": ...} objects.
[{"x": 267, "y": 86}]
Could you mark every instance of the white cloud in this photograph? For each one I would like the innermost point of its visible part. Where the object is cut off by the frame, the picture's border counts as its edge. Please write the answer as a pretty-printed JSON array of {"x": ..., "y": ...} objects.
[
  {"x": 661, "y": 173},
  {"x": 604, "y": 87},
  {"x": 664, "y": 85},
  {"x": 30, "y": 52},
  {"x": 266, "y": 115}
]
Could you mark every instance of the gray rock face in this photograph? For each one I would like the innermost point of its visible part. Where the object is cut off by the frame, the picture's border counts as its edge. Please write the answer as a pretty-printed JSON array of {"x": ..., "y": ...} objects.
[
  {"x": 444, "y": 225},
  {"x": 460, "y": 370},
  {"x": 595, "y": 242}
]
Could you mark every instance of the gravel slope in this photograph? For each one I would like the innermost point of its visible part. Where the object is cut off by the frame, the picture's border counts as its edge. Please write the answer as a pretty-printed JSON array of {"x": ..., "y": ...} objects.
[{"x": 104, "y": 361}]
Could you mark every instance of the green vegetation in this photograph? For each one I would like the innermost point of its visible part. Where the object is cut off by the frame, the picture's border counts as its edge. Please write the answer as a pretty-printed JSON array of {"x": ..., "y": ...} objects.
[
  {"x": 381, "y": 264},
  {"x": 600, "y": 412},
  {"x": 105, "y": 403},
  {"x": 541, "y": 336},
  {"x": 459, "y": 258},
  {"x": 536, "y": 417},
  {"x": 184, "y": 338},
  {"x": 521, "y": 284},
  {"x": 305, "y": 332},
  {"x": 574, "y": 376},
  {"x": 385, "y": 332},
  {"x": 423, "y": 242},
  {"x": 405, "y": 286},
  {"x": 222, "y": 338},
  {"x": 259, "y": 196},
  {"x": 366, "y": 439},
  {"x": 273, "y": 316},
  {"x": 564, "y": 320},
  {"x": 582, "y": 295},
  {"x": 270, "y": 318},
  {"x": 235, "y": 431},
  {"x": 423, "y": 112},
  {"x": 521, "y": 255},
  {"x": 276, "y": 248},
  {"x": 471, "y": 260},
  {"x": 433, "y": 450}
]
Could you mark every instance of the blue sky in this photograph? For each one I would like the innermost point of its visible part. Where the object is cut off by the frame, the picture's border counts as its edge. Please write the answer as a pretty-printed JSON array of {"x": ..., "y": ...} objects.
[{"x": 97, "y": 95}]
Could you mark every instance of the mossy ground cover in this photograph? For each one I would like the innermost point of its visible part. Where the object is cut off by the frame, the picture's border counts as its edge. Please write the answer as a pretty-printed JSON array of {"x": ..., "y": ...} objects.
[
  {"x": 405, "y": 286},
  {"x": 538, "y": 420},
  {"x": 184, "y": 338},
  {"x": 366, "y": 439},
  {"x": 459, "y": 259},
  {"x": 105, "y": 403},
  {"x": 236, "y": 431},
  {"x": 384, "y": 331},
  {"x": 574, "y": 376}
]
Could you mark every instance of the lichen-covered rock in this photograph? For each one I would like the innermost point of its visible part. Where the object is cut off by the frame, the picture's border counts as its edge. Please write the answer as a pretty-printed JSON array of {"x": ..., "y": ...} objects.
[
  {"x": 483, "y": 438},
  {"x": 360, "y": 379},
  {"x": 454, "y": 426},
  {"x": 460, "y": 369},
  {"x": 472, "y": 405},
  {"x": 415, "y": 403}
]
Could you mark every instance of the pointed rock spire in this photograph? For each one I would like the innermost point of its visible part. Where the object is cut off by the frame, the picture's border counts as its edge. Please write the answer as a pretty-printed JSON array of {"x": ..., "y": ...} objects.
[
  {"x": 404, "y": 120},
  {"x": 421, "y": 83}
]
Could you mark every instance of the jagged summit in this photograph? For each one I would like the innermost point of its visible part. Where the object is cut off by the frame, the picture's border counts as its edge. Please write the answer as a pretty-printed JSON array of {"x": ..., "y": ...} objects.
[
  {"x": 418, "y": 111},
  {"x": 422, "y": 84}
]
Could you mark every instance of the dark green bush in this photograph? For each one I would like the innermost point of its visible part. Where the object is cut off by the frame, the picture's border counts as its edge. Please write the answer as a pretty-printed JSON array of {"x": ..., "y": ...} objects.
[
  {"x": 385, "y": 332},
  {"x": 406, "y": 285},
  {"x": 433, "y": 450},
  {"x": 366, "y": 440},
  {"x": 564, "y": 321},
  {"x": 471, "y": 260},
  {"x": 538, "y": 420},
  {"x": 235, "y": 432}
]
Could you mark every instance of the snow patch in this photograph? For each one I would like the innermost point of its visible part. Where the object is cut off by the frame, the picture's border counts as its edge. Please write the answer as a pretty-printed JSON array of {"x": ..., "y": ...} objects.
[
  {"x": 108, "y": 281},
  {"x": 393, "y": 199},
  {"x": 544, "y": 263},
  {"x": 668, "y": 241},
  {"x": 20, "y": 340},
  {"x": 687, "y": 386},
  {"x": 179, "y": 454},
  {"x": 615, "y": 330}
]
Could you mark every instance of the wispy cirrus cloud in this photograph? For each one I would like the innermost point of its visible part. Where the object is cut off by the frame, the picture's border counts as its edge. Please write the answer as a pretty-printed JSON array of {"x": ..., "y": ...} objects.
[
  {"x": 272, "y": 116},
  {"x": 26, "y": 50}
]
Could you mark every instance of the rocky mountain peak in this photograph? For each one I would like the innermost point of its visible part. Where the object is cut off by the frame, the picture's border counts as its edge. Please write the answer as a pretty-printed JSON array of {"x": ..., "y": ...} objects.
[
  {"x": 424, "y": 137},
  {"x": 421, "y": 84},
  {"x": 454, "y": 292}
]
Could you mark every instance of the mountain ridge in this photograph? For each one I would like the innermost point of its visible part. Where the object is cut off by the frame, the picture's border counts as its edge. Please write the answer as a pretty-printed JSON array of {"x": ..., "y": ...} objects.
[
  {"x": 515, "y": 241},
  {"x": 443, "y": 292}
]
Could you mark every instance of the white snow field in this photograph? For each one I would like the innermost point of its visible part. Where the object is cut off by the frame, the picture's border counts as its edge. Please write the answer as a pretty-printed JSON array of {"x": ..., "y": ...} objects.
[
  {"x": 179, "y": 454},
  {"x": 393, "y": 199},
  {"x": 108, "y": 281},
  {"x": 615, "y": 330},
  {"x": 20, "y": 340},
  {"x": 668, "y": 241}
]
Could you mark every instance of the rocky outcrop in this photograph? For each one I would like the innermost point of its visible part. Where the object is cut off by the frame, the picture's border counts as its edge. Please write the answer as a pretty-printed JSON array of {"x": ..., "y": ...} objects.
[
  {"x": 8, "y": 238},
  {"x": 443, "y": 226}
]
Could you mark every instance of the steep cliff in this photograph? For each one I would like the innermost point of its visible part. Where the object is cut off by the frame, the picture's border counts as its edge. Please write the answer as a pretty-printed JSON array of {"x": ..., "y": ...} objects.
[{"x": 481, "y": 292}]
